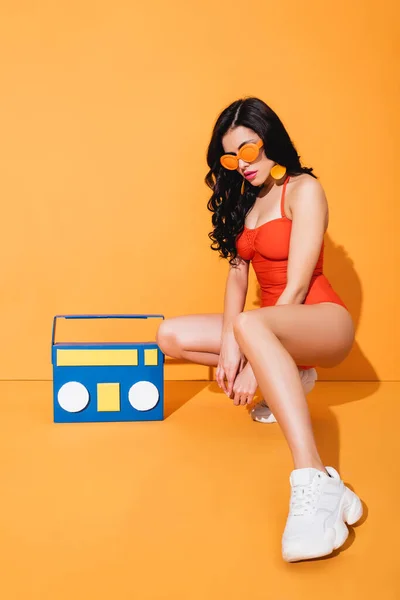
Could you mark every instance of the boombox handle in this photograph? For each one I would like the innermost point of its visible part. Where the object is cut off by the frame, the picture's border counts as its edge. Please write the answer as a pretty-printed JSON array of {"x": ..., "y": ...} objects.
[{"x": 53, "y": 336}]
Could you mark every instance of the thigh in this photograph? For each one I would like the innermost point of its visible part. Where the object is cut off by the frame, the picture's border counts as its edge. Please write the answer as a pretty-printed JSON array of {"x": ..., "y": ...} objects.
[
  {"x": 314, "y": 334},
  {"x": 195, "y": 333}
]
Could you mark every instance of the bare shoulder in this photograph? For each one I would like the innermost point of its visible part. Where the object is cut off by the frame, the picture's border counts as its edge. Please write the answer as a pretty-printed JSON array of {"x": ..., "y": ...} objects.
[
  {"x": 306, "y": 192},
  {"x": 304, "y": 184}
]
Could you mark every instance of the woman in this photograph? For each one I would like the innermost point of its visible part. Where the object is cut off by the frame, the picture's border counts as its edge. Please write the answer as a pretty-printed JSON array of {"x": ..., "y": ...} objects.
[{"x": 271, "y": 211}]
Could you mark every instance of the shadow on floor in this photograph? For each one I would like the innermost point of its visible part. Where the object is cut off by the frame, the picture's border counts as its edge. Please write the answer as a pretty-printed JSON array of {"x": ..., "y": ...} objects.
[
  {"x": 177, "y": 393},
  {"x": 326, "y": 428},
  {"x": 322, "y": 398}
]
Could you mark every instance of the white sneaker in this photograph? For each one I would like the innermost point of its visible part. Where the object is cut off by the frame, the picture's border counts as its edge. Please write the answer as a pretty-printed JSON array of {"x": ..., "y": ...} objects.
[
  {"x": 320, "y": 505},
  {"x": 262, "y": 413}
]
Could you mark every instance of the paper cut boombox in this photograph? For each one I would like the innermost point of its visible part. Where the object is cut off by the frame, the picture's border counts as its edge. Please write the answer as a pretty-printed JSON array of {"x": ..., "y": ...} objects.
[{"x": 107, "y": 381}]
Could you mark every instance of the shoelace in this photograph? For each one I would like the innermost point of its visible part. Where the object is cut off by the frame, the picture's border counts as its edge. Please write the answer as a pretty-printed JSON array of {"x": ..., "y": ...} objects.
[{"x": 303, "y": 500}]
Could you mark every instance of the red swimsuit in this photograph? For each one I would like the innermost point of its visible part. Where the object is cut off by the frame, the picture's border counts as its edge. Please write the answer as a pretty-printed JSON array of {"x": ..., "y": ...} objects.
[{"x": 267, "y": 247}]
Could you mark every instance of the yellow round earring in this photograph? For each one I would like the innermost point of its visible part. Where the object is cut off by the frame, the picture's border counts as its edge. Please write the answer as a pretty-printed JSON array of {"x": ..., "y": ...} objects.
[
  {"x": 242, "y": 188},
  {"x": 278, "y": 171}
]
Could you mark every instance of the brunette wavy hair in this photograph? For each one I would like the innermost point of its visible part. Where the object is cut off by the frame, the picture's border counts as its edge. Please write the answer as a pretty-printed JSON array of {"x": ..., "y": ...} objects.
[{"x": 228, "y": 205}]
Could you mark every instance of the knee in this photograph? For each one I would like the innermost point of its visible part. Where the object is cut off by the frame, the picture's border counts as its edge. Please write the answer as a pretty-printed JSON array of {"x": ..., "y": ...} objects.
[
  {"x": 242, "y": 325},
  {"x": 167, "y": 339},
  {"x": 249, "y": 324}
]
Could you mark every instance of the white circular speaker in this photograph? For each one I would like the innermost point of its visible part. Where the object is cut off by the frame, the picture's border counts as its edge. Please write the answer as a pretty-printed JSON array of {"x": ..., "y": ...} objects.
[
  {"x": 73, "y": 397},
  {"x": 143, "y": 395}
]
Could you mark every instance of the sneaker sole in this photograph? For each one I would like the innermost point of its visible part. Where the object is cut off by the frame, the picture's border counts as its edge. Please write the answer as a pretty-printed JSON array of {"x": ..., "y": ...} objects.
[
  {"x": 270, "y": 419},
  {"x": 350, "y": 511}
]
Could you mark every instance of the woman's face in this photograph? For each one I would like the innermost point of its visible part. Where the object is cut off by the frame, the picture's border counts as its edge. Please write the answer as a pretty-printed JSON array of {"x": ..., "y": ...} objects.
[{"x": 256, "y": 172}]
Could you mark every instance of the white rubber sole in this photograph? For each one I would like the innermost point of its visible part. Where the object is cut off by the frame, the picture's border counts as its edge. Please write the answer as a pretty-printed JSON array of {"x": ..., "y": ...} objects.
[
  {"x": 265, "y": 420},
  {"x": 350, "y": 511}
]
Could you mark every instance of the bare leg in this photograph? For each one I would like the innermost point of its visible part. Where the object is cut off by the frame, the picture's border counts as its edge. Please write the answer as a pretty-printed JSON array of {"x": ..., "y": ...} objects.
[
  {"x": 196, "y": 338},
  {"x": 274, "y": 339}
]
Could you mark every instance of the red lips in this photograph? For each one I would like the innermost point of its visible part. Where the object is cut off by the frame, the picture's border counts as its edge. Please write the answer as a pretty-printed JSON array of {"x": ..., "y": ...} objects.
[{"x": 248, "y": 174}]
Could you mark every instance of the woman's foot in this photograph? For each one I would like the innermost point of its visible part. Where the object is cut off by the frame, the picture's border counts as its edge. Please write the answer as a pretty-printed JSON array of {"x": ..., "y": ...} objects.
[
  {"x": 261, "y": 412},
  {"x": 320, "y": 507}
]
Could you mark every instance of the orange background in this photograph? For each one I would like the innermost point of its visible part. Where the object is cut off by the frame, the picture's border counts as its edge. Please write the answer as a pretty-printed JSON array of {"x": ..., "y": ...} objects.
[{"x": 106, "y": 113}]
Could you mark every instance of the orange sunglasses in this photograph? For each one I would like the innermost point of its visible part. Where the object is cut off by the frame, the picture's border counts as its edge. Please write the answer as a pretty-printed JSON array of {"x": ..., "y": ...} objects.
[{"x": 248, "y": 153}]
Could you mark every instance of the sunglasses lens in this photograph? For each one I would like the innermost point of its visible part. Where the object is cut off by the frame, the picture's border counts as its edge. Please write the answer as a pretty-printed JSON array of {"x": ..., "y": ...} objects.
[
  {"x": 249, "y": 153},
  {"x": 229, "y": 162}
]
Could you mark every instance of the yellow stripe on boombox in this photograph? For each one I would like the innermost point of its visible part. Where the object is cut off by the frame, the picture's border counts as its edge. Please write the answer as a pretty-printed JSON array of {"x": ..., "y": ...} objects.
[{"x": 97, "y": 358}]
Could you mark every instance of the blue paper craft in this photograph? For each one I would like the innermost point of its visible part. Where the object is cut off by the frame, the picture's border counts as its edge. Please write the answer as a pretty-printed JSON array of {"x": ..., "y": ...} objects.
[{"x": 107, "y": 381}]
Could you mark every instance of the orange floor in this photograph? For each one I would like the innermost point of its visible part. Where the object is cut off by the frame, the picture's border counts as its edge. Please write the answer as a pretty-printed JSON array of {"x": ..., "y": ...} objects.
[{"x": 191, "y": 508}]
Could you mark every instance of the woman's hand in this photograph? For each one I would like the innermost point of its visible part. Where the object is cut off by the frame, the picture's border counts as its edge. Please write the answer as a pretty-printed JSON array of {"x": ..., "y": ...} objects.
[
  {"x": 245, "y": 386},
  {"x": 231, "y": 361}
]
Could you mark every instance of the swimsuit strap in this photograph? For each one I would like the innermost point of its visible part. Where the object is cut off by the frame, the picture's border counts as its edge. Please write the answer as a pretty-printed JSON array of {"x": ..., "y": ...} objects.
[{"x": 283, "y": 197}]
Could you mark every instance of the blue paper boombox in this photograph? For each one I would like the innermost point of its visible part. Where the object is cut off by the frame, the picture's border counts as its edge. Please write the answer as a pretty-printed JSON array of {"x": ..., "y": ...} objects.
[{"x": 107, "y": 381}]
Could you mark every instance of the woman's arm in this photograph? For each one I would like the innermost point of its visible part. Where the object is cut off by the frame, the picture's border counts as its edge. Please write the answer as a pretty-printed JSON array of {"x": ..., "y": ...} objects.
[
  {"x": 231, "y": 358},
  {"x": 235, "y": 294},
  {"x": 309, "y": 222}
]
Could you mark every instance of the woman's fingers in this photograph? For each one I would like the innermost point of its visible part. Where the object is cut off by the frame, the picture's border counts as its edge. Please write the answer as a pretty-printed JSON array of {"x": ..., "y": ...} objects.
[
  {"x": 240, "y": 398},
  {"x": 220, "y": 376},
  {"x": 244, "y": 399},
  {"x": 236, "y": 399},
  {"x": 249, "y": 397},
  {"x": 231, "y": 381}
]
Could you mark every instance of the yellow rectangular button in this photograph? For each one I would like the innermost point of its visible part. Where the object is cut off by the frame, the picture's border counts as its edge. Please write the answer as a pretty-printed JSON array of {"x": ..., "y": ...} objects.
[
  {"x": 96, "y": 358},
  {"x": 151, "y": 357},
  {"x": 108, "y": 397}
]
